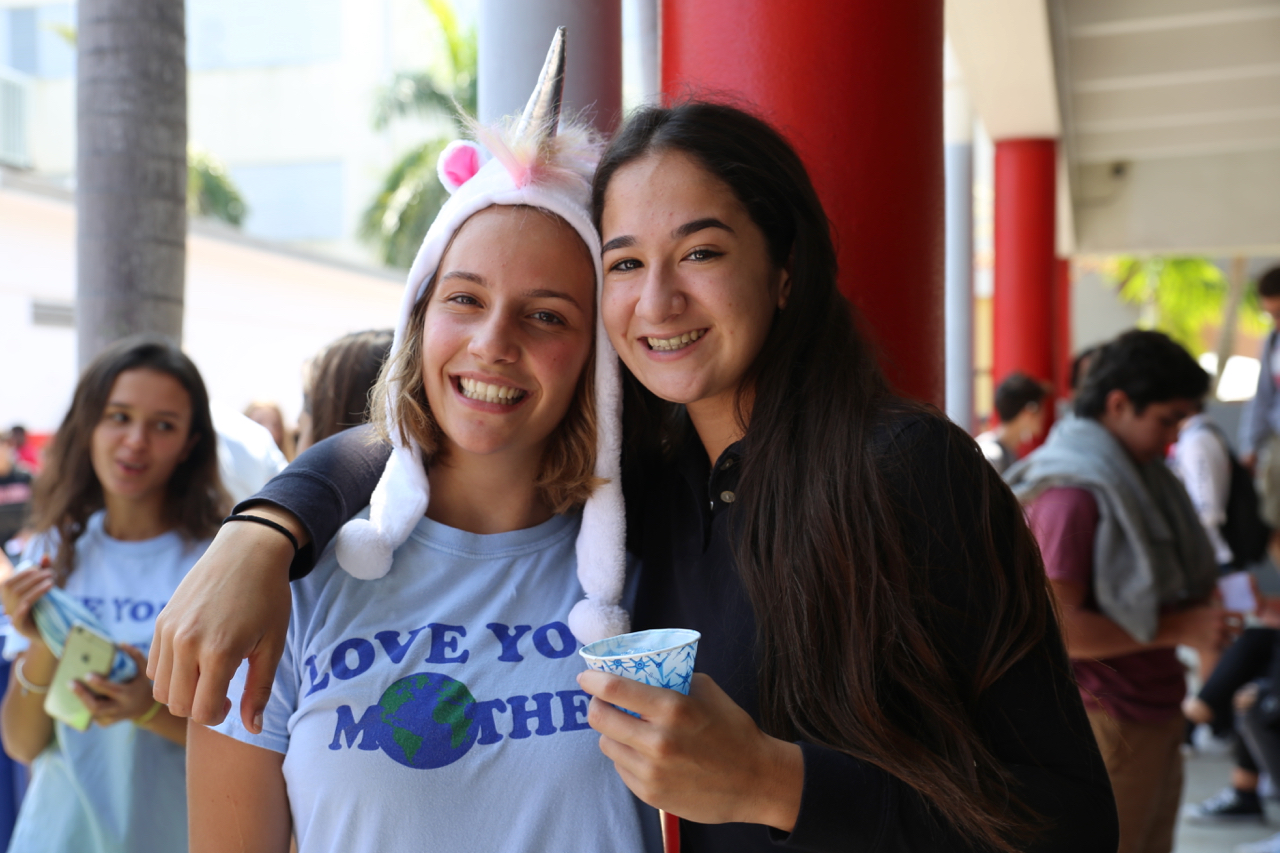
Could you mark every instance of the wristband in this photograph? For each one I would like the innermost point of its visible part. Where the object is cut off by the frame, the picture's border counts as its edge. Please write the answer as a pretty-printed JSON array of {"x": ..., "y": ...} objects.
[
  {"x": 257, "y": 519},
  {"x": 27, "y": 686},
  {"x": 147, "y": 717}
]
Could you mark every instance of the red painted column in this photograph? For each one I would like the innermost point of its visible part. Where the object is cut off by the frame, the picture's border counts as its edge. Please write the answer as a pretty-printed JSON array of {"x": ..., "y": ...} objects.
[
  {"x": 856, "y": 86},
  {"x": 1025, "y": 265}
]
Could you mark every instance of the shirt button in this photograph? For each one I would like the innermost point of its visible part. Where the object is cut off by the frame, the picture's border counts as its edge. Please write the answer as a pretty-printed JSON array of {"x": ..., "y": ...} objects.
[
  {"x": 728, "y": 497},
  {"x": 727, "y": 464}
]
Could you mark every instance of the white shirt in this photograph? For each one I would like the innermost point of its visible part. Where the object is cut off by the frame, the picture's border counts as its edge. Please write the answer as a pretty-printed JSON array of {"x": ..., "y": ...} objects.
[
  {"x": 247, "y": 454},
  {"x": 1200, "y": 460}
]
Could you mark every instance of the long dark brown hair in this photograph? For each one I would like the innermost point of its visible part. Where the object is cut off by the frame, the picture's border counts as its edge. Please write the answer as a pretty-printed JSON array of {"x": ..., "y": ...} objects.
[
  {"x": 340, "y": 380},
  {"x": 852, "y": 648},
  {"x": 67, "y": 491}
]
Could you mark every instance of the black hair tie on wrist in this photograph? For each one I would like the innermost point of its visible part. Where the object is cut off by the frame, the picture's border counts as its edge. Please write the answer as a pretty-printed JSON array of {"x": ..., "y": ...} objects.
[{"x": 257, "y": 519}]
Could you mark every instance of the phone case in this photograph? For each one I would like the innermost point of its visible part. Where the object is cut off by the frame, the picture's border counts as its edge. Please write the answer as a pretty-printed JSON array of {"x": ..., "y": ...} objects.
[{"x": 85, "y": 652}]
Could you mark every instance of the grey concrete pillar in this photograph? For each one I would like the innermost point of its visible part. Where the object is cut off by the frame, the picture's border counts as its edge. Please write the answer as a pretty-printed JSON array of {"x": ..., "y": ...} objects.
[
  {"x": 650, "y": 44},
  {"x": 958, "y": 139},
  {"x": 513, "y": 40}
]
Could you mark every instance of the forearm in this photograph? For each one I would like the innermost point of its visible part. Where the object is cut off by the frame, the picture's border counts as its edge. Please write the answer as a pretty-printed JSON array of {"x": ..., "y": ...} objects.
[
  {"x": 236, "y": 796},
  {"x": 167, "y": 726},
  {"x": 24, "y": 726}
]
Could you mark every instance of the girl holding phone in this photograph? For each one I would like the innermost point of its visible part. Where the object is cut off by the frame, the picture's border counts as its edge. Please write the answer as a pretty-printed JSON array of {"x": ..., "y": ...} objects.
[{"x": 126, "y": 504}]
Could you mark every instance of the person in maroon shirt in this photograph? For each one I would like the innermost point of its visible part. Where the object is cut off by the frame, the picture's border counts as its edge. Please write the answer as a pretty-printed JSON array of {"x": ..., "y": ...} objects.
[{"x": 1140, "y": 388}]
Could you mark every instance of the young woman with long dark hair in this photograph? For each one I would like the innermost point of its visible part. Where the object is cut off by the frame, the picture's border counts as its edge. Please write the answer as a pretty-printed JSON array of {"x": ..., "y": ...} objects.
[
  {"x": 881, "y": 664},
  {"x": 126, "y": 504}
]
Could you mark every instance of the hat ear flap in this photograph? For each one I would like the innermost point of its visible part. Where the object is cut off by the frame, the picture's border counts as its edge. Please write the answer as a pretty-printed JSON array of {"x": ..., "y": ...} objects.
[{"x": 458, "y": 164}]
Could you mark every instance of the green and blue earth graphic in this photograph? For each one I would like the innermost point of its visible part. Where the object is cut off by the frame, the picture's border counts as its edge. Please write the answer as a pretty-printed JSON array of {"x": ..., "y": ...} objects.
[{"x": 426, "y": 721}]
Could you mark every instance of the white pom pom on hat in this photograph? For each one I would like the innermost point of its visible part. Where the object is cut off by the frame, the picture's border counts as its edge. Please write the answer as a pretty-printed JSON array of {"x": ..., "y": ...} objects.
[{"x": 365, "y": 548}]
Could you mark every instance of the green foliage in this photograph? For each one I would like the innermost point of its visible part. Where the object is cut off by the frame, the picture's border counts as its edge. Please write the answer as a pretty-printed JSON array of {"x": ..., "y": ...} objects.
[
  {"x": 411, "y": 195},
  {"x": 210, "y": 191},
  {"x": 1180, "y": 296}
]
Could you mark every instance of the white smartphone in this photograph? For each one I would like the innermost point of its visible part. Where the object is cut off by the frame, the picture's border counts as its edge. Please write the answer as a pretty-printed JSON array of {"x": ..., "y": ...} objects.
[
  {"x": 85, "y": 652},
  {"x": 1237, "y": 592}
]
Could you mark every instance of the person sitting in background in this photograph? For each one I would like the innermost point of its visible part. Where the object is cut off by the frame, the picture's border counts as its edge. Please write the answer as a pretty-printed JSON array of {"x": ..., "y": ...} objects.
[
  {"x": 1131, "y": 566},
  {"x": 268, "y": 414},
  {"x": 24, "y": 451},
  {"x": 1020, "y": 405},
  {"x": 15, "y": 490},
  {"x": 337, "y": 384},
  {"x": 1260, "y": 428}
]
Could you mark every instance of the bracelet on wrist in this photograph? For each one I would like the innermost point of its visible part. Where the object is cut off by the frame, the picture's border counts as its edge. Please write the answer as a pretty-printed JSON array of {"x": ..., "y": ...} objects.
[
  {"x": 149, "y": 715},
  {"x": 266, "y": 522},
  {"x": 21, "y": 677}
]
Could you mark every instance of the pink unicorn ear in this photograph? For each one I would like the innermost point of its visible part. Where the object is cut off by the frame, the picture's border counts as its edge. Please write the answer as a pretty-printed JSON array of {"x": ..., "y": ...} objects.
[{"x": 458, "y": 164}]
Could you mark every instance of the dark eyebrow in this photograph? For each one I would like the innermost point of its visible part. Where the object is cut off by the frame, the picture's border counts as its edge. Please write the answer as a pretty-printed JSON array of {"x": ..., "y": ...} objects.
[
  {"x": 552, "y": 294},
  {"x": 463, "y": 274},
  {"x": 697, "y": 225},
  {"x": 683, "y": 231},
  {"x": 115, "y": 404},
  {"x": 618, "y": 243}
]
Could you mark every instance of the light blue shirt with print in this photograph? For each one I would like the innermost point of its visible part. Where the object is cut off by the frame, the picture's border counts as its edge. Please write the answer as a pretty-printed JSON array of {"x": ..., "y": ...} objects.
[
  {"x": 117, "y": 789},
  {"x": 436, "y": 708}
]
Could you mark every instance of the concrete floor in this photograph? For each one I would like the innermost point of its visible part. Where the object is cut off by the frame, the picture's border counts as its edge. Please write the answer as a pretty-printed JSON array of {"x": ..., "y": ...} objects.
[{"x": 1205, "y": 776}]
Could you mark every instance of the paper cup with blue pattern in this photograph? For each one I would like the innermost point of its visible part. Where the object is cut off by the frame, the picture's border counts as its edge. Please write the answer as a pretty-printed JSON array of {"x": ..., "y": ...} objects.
[{"x": 660, "y": 658}]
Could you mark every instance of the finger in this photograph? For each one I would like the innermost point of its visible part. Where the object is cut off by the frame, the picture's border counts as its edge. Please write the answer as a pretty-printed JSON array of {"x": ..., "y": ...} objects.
[
  {"x": 614, "y": 723},
  {"x": 209, "y": 691},
  {"x": 160, "y": 666},
  {"x": 644, "y": 699},
  {"x": 94, "y": 703},
  {"x": 257, "y": 684},
  {"x": 184, "y": 674},
  {"x": 157, "y": 642},
  {"x": 104, "y": 686}
]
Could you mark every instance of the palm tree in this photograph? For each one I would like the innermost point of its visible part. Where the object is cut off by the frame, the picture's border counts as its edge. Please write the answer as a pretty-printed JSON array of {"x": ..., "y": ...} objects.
[
  {"x": 397, "y": 219},
  {"x": 1180, "y": 296},
  {"x": 131, "y": 169}
]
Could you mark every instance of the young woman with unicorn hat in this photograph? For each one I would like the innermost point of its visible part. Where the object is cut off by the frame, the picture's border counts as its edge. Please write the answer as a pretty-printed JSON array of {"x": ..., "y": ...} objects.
[{"x": 426, "y": 692}]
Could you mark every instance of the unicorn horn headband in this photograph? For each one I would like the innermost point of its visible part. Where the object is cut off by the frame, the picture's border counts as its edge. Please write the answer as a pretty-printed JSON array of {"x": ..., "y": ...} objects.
[{"x": 542, "y": 114}]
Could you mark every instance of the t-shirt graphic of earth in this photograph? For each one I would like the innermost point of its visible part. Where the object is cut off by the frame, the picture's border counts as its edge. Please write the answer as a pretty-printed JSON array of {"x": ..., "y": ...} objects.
[{"x": 427, "y": 720}]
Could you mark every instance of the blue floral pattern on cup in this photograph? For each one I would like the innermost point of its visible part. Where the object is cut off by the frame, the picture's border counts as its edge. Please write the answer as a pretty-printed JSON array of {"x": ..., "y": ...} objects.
[{"x": 662, "y": 657}]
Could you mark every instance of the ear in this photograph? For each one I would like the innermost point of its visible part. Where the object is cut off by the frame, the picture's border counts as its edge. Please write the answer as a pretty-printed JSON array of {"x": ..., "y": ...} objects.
[
  {"x": 458, "y": 164},
  {"x": 784, "y": 288},
  {"x": 1118, "y": 402}
]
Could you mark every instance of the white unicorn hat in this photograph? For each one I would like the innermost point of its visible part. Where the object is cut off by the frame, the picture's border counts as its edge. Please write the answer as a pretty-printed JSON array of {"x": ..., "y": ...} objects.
[{"x": 536, "y": 167}]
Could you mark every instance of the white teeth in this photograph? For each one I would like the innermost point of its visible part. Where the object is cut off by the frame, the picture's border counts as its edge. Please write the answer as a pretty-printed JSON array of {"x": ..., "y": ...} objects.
[
  {"x": 678, "y": 342},
  {"x": 483, "y": 391}
]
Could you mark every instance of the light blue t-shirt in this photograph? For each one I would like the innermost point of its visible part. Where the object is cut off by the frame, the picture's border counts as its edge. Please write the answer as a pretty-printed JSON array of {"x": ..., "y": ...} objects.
[
  {"x": 436, "y": 708},
  {"x": 117, "y": 789}
]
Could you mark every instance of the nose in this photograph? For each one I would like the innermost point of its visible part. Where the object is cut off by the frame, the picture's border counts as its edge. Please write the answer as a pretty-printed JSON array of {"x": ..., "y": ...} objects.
[
  {"x": 660, "y": 297},
  {"x": 494, "y": 340},
  {"x": 136, "y": 435}
]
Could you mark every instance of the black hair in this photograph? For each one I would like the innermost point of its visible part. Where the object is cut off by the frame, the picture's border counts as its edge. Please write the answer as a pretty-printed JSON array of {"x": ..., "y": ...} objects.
[
  {"x": 847, "y": 648},
  {"x": 1080, "y": 366},
  {"x": 1149, "y": 367},
  {"x": 1269, "y": 282},
  {"x": 1017, "y": 392}
]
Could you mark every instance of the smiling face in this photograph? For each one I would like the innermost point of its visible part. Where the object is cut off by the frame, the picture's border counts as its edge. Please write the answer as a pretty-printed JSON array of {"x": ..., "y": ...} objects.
[
  {"x": 507, "y": 332},
  {"x": 689, "y": 289},
  {"x": 142, "y": 437}
]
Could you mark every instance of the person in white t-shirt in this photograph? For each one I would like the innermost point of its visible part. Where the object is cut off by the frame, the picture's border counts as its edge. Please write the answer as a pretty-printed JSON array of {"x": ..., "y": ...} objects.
[
  {"x": 427, "y": 696},
  {"x": 127, "y": 502},
  {"x": 1202, "y": 462}
]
